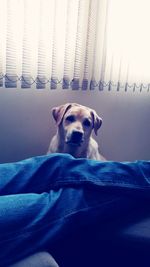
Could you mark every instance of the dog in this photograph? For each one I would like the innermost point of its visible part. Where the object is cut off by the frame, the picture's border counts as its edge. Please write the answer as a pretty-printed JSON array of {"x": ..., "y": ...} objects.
[{"x": 75, "y": 124}]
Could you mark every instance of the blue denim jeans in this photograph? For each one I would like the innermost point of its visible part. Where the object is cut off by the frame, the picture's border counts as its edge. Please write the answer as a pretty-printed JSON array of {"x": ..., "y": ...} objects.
[{"x": 45, "y": 197}]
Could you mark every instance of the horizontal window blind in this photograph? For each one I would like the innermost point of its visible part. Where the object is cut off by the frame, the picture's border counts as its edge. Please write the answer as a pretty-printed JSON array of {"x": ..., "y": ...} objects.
[{"x": 88, "y": 44}]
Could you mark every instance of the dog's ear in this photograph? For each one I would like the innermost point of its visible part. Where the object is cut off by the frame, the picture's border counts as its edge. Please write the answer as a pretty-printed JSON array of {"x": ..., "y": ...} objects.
[
  {"x": 97, "y": 121},
  {"x": 59, "y": 112}
]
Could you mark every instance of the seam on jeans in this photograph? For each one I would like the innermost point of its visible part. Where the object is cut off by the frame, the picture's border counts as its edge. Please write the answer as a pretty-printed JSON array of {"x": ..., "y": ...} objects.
[
  {"x": 72, "y": 212},
  {"x": 97, "y": 182}
]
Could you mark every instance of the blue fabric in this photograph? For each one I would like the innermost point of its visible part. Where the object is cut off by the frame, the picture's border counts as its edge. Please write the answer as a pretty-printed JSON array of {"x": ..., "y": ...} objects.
[{"x": 43, "y": 198}]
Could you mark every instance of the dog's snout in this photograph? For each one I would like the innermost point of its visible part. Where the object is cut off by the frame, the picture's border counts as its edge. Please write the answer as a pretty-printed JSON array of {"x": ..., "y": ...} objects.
[{"x": 77, "y": 136}]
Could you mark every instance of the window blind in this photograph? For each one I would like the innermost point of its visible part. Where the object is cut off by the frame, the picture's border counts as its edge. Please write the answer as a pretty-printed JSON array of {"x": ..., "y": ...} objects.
[{"x": 87, "y": 44}]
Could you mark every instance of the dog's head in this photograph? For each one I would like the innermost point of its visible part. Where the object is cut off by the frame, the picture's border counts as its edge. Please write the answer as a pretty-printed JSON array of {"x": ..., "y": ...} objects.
[{"x": 76, "y": 122}]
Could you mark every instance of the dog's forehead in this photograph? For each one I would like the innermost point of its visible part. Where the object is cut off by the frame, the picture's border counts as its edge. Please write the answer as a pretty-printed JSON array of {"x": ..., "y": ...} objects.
[{"x": 79, "y": 111}]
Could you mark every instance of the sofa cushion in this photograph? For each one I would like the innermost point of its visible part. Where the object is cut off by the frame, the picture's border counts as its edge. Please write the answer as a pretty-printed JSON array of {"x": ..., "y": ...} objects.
[{"x": 40, "y": 259}]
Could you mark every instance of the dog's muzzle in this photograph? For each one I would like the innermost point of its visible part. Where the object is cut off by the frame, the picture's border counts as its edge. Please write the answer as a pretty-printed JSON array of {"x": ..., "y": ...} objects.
[{"x": 75, "y": 138}]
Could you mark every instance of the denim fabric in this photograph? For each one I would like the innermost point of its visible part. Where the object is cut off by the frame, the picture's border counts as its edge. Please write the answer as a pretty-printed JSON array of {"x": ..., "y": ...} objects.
[{"x": 46, "y": 197}]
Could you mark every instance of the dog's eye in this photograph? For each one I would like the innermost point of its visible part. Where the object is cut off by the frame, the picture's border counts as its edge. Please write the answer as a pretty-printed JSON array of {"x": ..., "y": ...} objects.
[
  {"x": 87, "y": 123},
  {"x": 70, "y": 118}
]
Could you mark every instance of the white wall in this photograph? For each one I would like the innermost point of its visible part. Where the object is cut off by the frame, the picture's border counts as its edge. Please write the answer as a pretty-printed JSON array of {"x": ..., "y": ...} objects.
[{"x": 26, "y": 124}]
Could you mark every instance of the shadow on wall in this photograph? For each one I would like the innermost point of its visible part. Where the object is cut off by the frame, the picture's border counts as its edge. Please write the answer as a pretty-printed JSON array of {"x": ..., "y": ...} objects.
[{"x": 27, "y": 124}]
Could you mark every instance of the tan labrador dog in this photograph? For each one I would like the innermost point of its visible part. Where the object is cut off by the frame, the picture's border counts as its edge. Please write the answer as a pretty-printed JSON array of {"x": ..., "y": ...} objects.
[{"x": 74, "y": 131}]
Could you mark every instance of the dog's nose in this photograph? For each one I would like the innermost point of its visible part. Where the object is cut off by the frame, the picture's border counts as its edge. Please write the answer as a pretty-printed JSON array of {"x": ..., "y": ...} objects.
[{"x": 77, "y": 136}]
